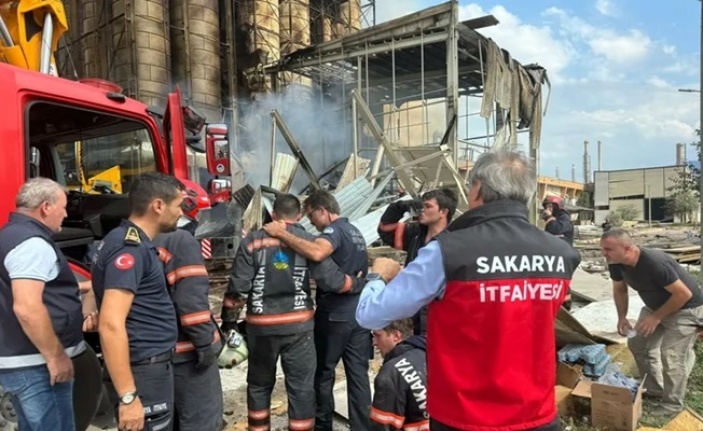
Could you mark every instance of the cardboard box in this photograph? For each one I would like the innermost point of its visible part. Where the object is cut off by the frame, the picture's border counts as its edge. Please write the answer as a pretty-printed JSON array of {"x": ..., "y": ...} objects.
[
  {"x": 612, "y": 407},
  {"x": 562, "y": 397}
]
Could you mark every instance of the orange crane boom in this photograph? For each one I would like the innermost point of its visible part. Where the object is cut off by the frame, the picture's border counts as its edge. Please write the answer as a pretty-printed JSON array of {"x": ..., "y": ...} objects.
[{"x": 30, "y": 31}]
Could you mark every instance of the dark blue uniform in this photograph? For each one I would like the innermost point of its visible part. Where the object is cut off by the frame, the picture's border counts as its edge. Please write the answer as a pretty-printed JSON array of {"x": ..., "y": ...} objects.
[
  {"x": 128, "y": 260},
  {"x": 339, "y": 336}
]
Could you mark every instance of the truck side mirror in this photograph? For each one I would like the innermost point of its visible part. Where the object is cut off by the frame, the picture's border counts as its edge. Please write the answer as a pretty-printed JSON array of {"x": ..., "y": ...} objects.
[
  {"x": 220, "y": 191},
  {"x": 217, "y": 149}
]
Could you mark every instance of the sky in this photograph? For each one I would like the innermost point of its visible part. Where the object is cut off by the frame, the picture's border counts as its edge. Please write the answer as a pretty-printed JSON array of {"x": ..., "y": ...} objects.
[{"x": 615, "y": 68}]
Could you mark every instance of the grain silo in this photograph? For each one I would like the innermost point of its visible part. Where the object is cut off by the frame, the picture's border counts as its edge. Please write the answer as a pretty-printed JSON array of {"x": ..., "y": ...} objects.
[
  {"x": 349, "y": 16},
  {"x": 195, "y": 54},
  {"x": 90, "y": 42},
  {"x": 294, "y": 25},
  {"x": 142, "y": 51},
  {"x": 294, "y": 35},
  {"x": 259, "y": 21}
]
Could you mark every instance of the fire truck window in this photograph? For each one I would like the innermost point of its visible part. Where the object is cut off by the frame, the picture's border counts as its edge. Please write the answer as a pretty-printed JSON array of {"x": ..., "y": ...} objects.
[
  {"x": 96, "y": 152},
  {"x": 106, "y": 164}
]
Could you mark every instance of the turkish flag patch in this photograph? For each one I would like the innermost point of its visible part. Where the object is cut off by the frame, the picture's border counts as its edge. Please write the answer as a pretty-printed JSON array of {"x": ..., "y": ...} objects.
[{"x": 124, "y": 261}]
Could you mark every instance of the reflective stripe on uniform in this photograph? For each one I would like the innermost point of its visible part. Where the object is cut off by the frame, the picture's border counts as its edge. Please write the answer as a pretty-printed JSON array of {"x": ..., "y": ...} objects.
[
  {"x": 188, "y": 346},
  {"x": 398, "y": 239},
  {"x": 418, "y": 426},
  {"x": 186, "y": 271},
  {"x": 387, "y": 418},
  {"x": 301, "y": 424},
  {"x": 279, "y": 319},
  {"x": 164, "y": 255},
  {"x": 260, "y": 243},
  {"x": 195, "y": 318}
]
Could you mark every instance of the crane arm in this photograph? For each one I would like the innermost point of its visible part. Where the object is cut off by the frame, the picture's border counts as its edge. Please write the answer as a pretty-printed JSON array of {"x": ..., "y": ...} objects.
[{"x": 30, "y": 31}]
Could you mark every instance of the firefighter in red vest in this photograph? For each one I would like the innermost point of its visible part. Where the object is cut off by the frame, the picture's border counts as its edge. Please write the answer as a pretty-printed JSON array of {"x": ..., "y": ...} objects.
[
  {"x": 495, "y": 284},
  {"x": 197, "y": 387}
]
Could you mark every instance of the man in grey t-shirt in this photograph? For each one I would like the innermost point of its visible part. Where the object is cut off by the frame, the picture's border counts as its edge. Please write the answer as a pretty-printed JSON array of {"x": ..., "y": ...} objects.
[{"x": 663, "y": 345}]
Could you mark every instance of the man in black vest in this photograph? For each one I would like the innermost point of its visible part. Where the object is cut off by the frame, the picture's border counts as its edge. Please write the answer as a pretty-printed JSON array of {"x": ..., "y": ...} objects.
[
  {"x": 41, "y": 311},
  {"x": 138, "y": 326},
  {"x": 337, "y": 335},
  {"x": 275, "y": 283}
]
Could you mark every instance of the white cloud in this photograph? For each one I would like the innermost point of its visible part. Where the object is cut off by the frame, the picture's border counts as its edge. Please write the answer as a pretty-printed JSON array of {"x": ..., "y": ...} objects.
[
  {"x": 605, "y": 7},
  {"x": 527, "y": 43},
  {"x": 656, "y": 81},
  {"x": 621, "y": 48}
]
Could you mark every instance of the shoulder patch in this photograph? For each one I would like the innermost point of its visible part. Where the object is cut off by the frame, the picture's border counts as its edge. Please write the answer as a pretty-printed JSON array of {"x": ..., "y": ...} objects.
[
  {"x": 132, "y": 236},
  {"x": 328, "y": 230},
  {"x": 124, "y": 261}
]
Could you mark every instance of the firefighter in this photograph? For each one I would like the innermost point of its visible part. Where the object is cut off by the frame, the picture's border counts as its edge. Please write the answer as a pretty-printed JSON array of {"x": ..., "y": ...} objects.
[
  {"x": 435, "y": 210},
  {"x": 558, "y": 223},
  {"x": 337, "y": 334},
  {"x": 275, "y": 283},
  {"x": 400, "y": 388},
  {"x": 197, "y": 385},
  {"x": 138, "y": 324},
  {"x": 488, "y": 304},
  {"x": 557, "y": 219}
]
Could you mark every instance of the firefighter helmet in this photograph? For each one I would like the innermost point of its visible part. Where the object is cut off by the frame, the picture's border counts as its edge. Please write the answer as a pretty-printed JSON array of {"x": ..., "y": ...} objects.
[
  {"x": 235, "y": 351},
  {"x": 195, "y": 199},
  {"x": 556, "y": 201}
]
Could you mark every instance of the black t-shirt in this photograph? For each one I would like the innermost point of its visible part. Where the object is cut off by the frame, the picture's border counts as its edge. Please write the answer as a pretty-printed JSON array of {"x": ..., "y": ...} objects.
[
  {"x": 351, "y": 257},
  {"x": 128, "y": 260},
  {"x": 655, "y": 270}
]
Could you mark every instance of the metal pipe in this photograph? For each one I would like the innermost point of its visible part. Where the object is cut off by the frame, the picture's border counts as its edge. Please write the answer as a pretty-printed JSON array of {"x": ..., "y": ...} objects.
[
  {"x": 47, "y": 35},
  {"x": 273, "y": 148},
  {"x": 295, "y": 148},
  {"x": 5, "y": 35},
  {"x": 355, "y": 137}
]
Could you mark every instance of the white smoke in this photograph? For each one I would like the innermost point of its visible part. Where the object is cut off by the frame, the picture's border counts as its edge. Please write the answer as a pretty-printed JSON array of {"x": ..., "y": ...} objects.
[{"x": 319, "y": 123}]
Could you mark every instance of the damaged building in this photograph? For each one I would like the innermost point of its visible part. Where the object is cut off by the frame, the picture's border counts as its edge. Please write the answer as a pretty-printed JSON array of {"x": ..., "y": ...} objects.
[{"x": 315, "y": 94}]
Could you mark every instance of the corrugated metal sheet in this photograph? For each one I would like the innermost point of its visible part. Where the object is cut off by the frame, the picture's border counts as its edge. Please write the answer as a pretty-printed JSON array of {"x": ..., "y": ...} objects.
[
  {"x": 244, "y": 195},
  {"x": 284, "y": 171},
  {"x": 601, "y": 187},
  {"x": 350, "y": 198}
]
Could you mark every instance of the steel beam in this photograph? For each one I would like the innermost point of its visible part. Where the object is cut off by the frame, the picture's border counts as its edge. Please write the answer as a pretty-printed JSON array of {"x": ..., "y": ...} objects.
[
  {"x": 453, "y": 80},
  {"x": 295, "y": 148},
  {"x": 384, "y": 145}
]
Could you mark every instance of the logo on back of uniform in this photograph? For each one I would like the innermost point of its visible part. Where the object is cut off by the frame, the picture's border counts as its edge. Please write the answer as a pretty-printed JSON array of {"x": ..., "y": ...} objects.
[
  {"x": 328, "y": 230},
  {"x": 281, "y": 261},
  {"x": 124, "y": 261}
]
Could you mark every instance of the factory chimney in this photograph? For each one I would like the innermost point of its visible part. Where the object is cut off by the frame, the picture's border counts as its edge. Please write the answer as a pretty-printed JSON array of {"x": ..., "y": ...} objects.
[
  {"x": 557, "y": 172},
  {"x": 600, "y": 157},
  {"x": 680, "y": 154},
  {"x": 586, "y": 163},
  {"x": 573, "y": 173}
]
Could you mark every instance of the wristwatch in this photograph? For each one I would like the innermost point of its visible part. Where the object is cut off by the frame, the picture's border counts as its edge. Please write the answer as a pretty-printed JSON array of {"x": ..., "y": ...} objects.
[
  {"x": 128, "y": 398},
  {"x": 372, "y": 276}
]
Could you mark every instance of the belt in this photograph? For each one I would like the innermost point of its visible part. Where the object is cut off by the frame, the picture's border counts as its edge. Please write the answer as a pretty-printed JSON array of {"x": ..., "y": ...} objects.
[{"x": 164, "y": 357}]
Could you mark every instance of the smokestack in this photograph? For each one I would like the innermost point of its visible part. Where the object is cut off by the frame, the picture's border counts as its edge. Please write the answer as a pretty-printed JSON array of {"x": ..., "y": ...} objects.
[
  {"x": 680, "y": 154},
  {"x": 586, "y": 163},
  {"x": 573, "y": 173},
  {"x": 600, "y": 157},
  {"x": 557, "y": 172}
]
